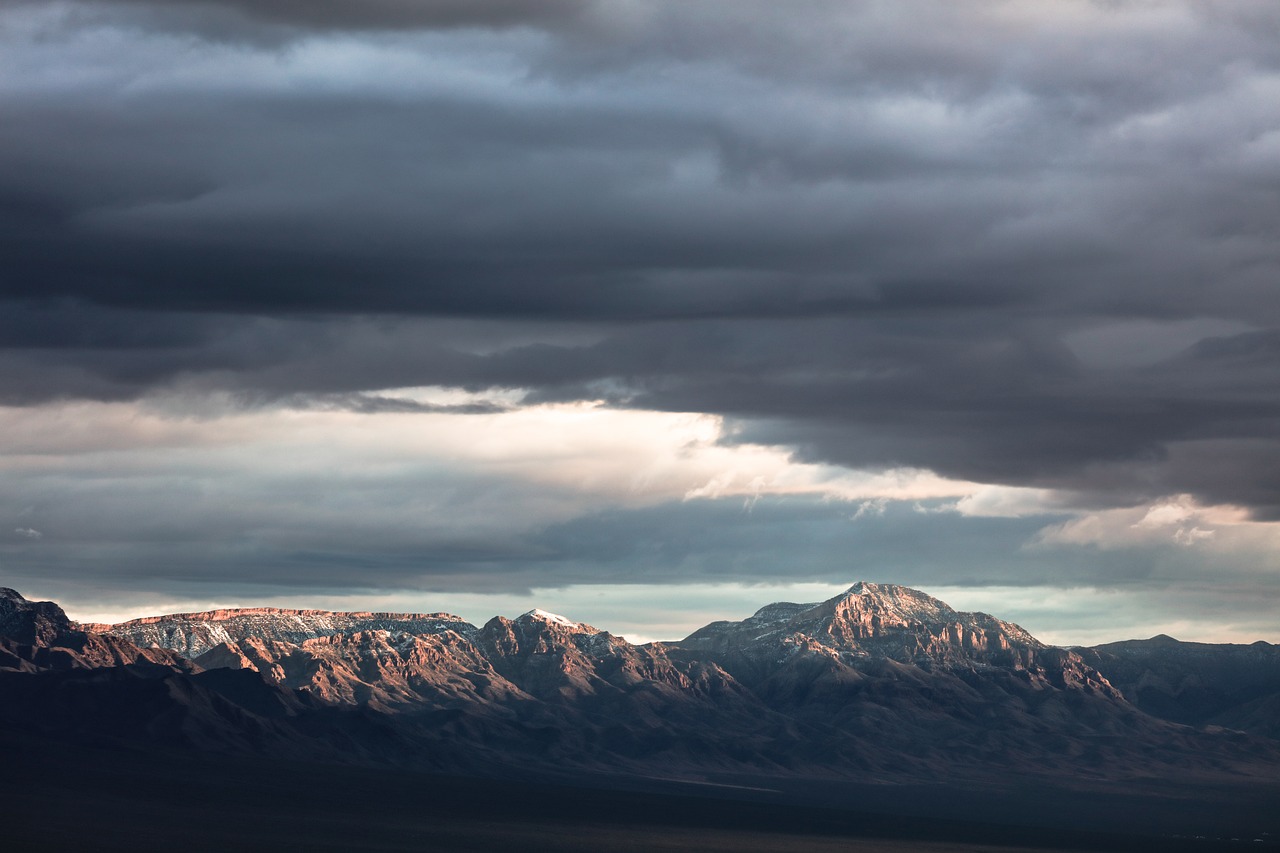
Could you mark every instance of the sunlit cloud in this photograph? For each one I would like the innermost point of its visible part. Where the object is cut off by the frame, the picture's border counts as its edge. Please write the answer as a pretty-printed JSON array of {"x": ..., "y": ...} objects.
[
  {"x": 1177, "y": 520},
  {"x": 627, "y": 457}
]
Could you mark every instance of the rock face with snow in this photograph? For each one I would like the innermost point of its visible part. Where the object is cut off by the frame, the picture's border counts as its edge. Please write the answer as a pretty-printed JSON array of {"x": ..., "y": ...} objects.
[
  {"x": 871, "y": 624},
  {"x": 919, "y": 685},
  {"x": 193, "y": 634},
  {"x": 60, "y": 681},
  {"x": 880, "y": 682},
  {"x": 384, "y": 670},
  {"x": 877, "y": 620}
]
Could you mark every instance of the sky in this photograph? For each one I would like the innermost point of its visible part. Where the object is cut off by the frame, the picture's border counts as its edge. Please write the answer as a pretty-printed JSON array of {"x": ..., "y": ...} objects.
[{"x": 648, "y": 313}]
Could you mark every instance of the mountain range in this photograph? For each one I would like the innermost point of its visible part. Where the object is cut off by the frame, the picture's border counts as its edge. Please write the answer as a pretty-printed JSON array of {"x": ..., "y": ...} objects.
[{"x": 881, "y": 683}]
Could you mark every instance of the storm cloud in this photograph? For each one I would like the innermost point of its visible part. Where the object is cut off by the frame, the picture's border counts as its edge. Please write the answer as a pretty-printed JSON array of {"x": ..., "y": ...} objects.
[{"x": 1021, "y": 245}]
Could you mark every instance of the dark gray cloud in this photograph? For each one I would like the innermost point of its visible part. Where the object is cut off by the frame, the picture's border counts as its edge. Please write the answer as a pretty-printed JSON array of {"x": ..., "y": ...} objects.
[
  {"x": 911, "y": 235},
  {"x": 273, "y": 544},
  {"x": 982, "y": 400},
  {"x": 373, "y": 404},
  {"x": 267, "y": 547},
  {"x": 217, "y": 18}
]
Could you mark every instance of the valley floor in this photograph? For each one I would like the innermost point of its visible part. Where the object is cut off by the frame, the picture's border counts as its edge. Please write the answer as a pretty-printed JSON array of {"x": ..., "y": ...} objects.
[{"x": 99, "y": 798}]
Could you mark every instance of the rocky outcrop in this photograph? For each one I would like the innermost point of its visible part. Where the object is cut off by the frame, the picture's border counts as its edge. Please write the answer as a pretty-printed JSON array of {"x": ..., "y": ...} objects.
[
  {"x": 37, "y": 636},
  {"x": 35, "y": 623},
  {"x": 552, "y": 657}
]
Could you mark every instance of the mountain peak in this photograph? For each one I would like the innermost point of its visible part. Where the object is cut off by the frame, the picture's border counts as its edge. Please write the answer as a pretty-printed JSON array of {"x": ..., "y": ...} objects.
[
  {"x": 902, "y": 601},
  {"x": 880, "y": 620},
  {"x": 538, "y": 613},
  {"x": 11, "y": 594},
  {"x": 32, "y": 622},
  {"x": 545, "y": 616},
  {"x": 887, "y": 590}
]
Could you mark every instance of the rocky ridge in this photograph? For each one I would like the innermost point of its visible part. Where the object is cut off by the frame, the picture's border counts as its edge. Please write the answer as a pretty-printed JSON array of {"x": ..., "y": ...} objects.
[
  {"x": 878, "y": 620},
  {"x": 193, "y": 634},
  {"x": 1235, "y": 686},
  {"x": 882, "y": 681}
]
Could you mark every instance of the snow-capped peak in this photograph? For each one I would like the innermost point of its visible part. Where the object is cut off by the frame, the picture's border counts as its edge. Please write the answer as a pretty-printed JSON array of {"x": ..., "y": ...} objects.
[{"x": 554, "y": 618}]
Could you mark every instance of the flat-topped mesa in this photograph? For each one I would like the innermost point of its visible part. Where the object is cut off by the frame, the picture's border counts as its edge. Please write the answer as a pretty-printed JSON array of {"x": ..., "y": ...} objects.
[
  {"x": 226, "y": 613},
  {"x": 193, "y": 634}
]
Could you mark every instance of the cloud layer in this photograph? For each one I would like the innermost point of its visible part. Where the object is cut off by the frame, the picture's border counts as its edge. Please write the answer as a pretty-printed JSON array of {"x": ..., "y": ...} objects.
[{"x": 1027, "y": 246}]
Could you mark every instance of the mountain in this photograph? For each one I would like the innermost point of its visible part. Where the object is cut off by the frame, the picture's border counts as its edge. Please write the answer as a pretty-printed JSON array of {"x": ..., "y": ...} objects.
[
  {"x": 883, "y": 622},
  {"x": 921, "y": 688},
  {"x": 535, "y": 689},
  {"x": 85, "y": 688},
  {"x": 881, "y": 682},
  {"x": 1197, "y": 684},
  {"x": 880, "y": 698}
]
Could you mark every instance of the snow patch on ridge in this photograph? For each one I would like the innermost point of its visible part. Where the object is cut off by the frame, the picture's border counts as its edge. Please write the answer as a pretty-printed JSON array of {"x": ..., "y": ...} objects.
[{"x": 554, "y": 618}]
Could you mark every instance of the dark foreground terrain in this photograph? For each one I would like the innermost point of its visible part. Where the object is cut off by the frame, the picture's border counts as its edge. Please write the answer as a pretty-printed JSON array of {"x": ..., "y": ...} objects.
[{"x": 98, "y": 797}]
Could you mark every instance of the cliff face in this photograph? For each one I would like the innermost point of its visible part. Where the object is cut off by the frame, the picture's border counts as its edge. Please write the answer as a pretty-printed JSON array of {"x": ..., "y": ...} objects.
[
  {"x": 193, "y": 634},
  {"x": 384, "y": 670}
]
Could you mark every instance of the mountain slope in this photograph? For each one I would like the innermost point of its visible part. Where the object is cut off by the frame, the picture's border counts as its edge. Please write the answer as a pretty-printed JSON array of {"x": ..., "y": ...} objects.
[{"x": 1198, "y": 684}]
